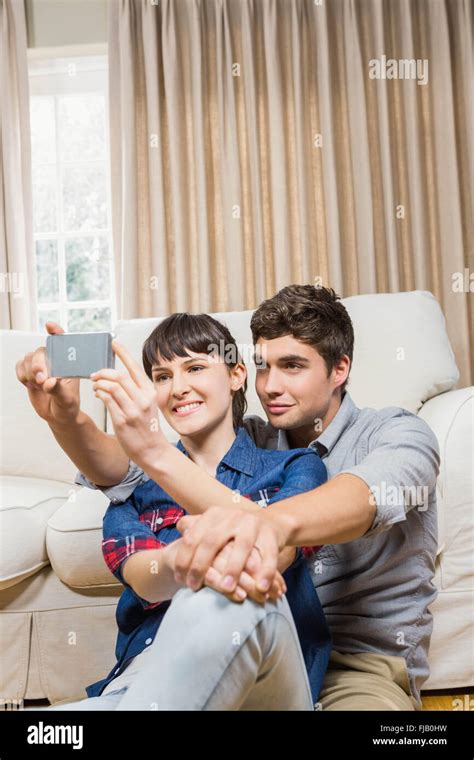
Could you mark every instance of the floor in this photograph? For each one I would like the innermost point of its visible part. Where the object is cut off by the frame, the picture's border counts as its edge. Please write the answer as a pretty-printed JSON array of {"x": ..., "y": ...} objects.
[
  {"x": 449, "y": 700},
  {"x": 440, "y": 700}
]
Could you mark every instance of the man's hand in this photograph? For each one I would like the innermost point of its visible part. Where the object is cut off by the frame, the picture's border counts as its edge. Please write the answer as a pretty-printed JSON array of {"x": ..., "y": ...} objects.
[
  {"x": 131, "y": 401},
  {"x": 204, "y": 536},
  {"x": 286, "y": 558},
  {"x": 56, "y": 400},
  {"x": 246, "y": 586}
]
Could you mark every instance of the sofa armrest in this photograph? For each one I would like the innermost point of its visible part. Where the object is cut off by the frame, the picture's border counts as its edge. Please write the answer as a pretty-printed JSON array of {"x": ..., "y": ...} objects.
[{"x": 451, "y": 417}]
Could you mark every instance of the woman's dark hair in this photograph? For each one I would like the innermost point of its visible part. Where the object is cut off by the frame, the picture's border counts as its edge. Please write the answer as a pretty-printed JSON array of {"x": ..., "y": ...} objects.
[
  {"x": 183, "y": 332},
  {"x": 312, "y": 315}
]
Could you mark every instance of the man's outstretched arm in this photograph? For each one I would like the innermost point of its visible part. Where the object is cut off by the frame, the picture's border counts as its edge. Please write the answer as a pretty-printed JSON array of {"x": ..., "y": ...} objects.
[
  {"x": 338, "y": 511},
  {"x": 404, "y": 462}
]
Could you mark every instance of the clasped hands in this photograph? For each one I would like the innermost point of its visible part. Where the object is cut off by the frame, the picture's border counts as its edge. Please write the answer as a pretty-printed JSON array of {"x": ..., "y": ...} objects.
[{"x": 238, "y": 570}]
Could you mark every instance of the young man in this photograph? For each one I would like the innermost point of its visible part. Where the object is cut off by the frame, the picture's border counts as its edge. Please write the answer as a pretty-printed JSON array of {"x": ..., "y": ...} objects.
[{"x": 376, "y": 515}]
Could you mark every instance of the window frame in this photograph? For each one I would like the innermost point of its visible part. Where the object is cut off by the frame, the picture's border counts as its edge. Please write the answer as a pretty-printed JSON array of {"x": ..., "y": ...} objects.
[{"x": 52, "y": 73}]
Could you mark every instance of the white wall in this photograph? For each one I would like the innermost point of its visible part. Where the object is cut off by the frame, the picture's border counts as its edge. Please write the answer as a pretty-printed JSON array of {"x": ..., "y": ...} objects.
[{"x": 54, "y": 23}]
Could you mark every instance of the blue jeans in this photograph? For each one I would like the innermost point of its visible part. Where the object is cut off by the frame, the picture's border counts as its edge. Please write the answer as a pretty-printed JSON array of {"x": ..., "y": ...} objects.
[{"x": 213, "y": 654}]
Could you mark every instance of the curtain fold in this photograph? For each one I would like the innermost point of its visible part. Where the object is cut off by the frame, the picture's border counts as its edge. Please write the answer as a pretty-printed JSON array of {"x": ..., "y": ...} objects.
[
  {"x": 251, "y": 149},
  {"x": 18, "y": 299}
]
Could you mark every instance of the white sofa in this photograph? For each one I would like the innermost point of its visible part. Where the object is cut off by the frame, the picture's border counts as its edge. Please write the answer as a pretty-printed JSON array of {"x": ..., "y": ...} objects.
[{"x": 57, "y": 597}]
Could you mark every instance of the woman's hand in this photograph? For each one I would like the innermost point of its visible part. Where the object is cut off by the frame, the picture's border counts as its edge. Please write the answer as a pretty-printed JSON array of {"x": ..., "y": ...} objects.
[
  {"x": 131, "y": 402},
  {"x": 56, "y": 400}
]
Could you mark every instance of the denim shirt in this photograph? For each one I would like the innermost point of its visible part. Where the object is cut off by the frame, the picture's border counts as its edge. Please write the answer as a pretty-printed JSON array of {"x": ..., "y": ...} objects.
[{"x": 147, "y": 520}]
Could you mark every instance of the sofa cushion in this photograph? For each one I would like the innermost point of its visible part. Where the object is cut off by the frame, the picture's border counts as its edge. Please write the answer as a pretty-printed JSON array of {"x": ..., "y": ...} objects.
[
  {"x": 74, "y": 541},
  {"x": 451, "y": 417},
  {"x": 402, "y": 354},
  {"x": 26, "y": 504},
  {"x": 451, "y": 656}
]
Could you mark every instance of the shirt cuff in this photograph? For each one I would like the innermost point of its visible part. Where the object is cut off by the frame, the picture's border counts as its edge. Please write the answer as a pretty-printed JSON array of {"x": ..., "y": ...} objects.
[
  {"x": 121, "y": 491},
  {"x": 117, "y": 552}
]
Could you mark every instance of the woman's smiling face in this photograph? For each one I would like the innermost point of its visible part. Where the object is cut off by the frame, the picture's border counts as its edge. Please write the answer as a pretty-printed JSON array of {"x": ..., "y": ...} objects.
[{"x": 194, "y": 392}]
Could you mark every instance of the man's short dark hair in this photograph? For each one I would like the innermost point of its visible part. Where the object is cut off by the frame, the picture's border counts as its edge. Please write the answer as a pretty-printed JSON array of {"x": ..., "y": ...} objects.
[{"x": 313, "y": 315}]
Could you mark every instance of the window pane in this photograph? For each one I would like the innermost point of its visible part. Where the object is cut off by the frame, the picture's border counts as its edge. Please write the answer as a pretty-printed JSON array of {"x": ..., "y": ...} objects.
[
  {"x": 70, "y": 161},
  {"x": 43, "y": 130},
  {"x": 89, "y": 320},
  {"x": 47, "y": 270},
  {"x": 82, "y": 127},
  {"x": 87, "y": 269},
  {"x": 84, "y": 198},
  {"x": 48, "y": 315},
  {"x": 44, "y": 198}
]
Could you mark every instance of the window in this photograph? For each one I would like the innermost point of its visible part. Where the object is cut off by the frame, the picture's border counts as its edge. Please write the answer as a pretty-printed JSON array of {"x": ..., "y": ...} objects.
[{"x": 71, "y": 193}]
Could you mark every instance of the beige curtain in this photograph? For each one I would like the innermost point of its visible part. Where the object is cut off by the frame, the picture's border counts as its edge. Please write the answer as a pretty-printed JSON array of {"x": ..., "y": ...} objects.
[
  {"x": 251, "y": 148},
  {"x": 18, "y": 303}
]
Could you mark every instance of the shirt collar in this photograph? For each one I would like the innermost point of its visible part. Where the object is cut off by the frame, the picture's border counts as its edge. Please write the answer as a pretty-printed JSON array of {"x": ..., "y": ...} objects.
[
  {"x": 325, "y": 442},
  {"x": 240, "y": 457},
  {"x": 343, "y": 418}
]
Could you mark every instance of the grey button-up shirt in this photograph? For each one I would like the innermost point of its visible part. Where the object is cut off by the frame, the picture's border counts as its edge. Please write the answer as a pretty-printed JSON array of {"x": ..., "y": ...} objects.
[{"x": 376, "y": 590}]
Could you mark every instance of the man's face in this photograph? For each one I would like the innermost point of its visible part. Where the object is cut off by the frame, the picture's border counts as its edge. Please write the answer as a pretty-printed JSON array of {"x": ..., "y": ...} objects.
[{"x": 293, "y": 385}]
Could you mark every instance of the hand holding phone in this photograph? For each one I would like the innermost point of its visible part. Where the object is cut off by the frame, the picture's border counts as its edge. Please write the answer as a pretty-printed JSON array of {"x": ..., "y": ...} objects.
[
  {"x": 56, "y": 400},
  {"x": 79, "y": 354}
]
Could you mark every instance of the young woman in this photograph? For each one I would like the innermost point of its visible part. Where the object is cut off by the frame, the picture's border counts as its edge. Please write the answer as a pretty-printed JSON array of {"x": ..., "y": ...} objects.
[{"x": 200, "y": 384}]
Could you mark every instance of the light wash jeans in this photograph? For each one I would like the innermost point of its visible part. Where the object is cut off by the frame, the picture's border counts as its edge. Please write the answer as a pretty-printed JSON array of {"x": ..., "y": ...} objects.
[{"x": 212, "y": 654}]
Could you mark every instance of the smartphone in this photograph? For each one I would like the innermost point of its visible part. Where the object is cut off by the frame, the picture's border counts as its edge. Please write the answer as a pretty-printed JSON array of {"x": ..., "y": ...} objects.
[{"x": 79, "y": 354}]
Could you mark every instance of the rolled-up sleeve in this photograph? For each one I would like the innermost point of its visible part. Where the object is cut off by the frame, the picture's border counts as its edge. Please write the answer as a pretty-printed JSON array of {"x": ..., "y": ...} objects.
[
  {"x": 400, "y": 469},
  {"x": 121, "y": 491},
  {"x": 125, "y": 534}
]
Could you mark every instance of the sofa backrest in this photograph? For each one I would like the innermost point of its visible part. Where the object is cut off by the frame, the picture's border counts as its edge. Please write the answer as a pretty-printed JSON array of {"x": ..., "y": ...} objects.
[
  {"x": 402, "y": 353},
  {"x": 402, "y": 357}
]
